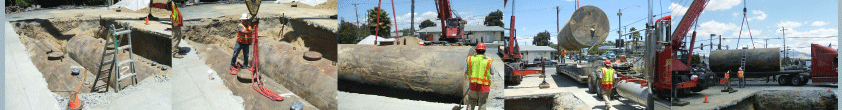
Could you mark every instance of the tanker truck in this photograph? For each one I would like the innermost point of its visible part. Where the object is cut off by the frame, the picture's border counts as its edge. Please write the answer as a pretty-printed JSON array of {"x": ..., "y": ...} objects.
[{"x": 767, "y": 62}]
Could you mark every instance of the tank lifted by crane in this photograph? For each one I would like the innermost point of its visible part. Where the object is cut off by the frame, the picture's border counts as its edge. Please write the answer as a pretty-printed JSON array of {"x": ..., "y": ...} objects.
[{"x": 588, "y": 26}]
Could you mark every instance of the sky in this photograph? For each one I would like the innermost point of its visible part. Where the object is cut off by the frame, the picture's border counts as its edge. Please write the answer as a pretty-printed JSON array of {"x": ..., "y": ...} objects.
[
  {"x": 533, "y": 16},
  {"x": 766, "y": 19}
]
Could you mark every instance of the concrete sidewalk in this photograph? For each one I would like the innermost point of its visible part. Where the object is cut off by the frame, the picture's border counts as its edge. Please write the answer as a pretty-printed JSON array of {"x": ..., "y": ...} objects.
[
  {"x": 26, "y": 88},
  {"x": 197, "y": 86}
]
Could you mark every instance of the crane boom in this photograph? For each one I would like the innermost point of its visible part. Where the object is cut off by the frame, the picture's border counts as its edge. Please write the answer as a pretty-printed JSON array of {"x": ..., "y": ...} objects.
[{"x": 687, "y": 21}]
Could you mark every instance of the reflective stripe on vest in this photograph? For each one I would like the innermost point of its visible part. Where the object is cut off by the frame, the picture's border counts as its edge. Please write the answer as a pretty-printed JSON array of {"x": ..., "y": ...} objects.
[
  {"x": 478, "y": 66},
  {"x": 242, "y": 37},
  {"x": 608, "y": 76}
]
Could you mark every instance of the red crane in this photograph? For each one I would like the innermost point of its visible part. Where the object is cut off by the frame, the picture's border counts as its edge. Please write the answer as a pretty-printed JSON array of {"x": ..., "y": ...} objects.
[{"x": 452, "y": 25}]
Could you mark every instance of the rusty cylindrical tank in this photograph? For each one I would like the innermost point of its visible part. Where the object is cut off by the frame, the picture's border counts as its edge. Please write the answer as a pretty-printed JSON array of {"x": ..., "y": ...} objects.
[
  {"x": 757, "y": 60},
  {"x": 435, "y": 69},
  {"x": 587, "y": 26}
]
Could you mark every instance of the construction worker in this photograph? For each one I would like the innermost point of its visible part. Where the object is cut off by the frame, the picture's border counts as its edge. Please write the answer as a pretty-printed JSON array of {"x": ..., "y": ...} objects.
[
  {"x": 479, "y": 76},
  {"x": 607, "y": 82},
  {"x": 175, "y": 23},
  {"x": 244, "y": 38},
  {"x": 728, "y": 83},
  {"x": 742, "y": 79}
]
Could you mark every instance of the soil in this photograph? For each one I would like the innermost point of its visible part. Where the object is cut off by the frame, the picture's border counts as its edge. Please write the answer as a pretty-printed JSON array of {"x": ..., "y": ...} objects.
[
  {"x": 58, "y": 30},
  {"x": 221, "y": 32},
  {"x": 330, "y": 4}
]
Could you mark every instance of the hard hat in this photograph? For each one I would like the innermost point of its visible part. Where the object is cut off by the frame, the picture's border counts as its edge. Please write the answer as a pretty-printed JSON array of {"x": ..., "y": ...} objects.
[
  {"x": 245, "y": 16},
  {"x": 481, "y": 46},
  {"x": 607, "y": 62}
]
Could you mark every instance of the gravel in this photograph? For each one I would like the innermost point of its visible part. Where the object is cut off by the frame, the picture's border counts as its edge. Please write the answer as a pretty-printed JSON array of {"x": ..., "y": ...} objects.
[{"x": 91, "y": 100}]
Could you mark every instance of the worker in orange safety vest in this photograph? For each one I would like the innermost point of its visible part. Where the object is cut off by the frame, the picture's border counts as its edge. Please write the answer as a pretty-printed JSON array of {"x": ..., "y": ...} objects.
[
  {"x": 607, "y": 82},
  {"x": 244, "y": 39},
  {"x": 479, "y": 76}
]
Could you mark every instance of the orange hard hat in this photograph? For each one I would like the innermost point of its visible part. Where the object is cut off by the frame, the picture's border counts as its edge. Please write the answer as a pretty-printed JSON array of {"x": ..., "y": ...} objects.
[
  {"x": 607, "y": 62},
  {"x": 481, "y": 46}
]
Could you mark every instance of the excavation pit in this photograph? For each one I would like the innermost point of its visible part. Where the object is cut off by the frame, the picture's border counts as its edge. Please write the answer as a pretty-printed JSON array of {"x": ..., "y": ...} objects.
[
  {"x": 59, "y": 45},
  {"x": 283, "y": 42}
]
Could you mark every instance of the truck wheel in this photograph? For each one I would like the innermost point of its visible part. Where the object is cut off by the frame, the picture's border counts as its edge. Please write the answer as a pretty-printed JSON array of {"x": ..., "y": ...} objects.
[
  {"x": 803, "y": 82},
  {"x": 783, "y": 80},
  {"x": 795, "y": 80}
]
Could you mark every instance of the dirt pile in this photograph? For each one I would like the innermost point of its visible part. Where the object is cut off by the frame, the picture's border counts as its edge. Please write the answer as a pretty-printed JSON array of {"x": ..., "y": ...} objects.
[
  {"x": 57, "y": 31},
  {"x": 788, "y": 100}
]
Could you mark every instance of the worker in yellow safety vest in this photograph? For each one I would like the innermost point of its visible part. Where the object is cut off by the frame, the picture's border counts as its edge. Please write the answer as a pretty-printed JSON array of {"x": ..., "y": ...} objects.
[
  {"x": 175, "y": 23},
  {"x": 478, "y": 71},
  {"x": 742, "y": 79},
  {"x": 607, "y": 82},
  {"x": 244, "y": 39}
]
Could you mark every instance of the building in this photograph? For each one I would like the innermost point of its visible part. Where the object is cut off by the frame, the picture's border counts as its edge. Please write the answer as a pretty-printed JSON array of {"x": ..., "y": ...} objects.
[
  {"x": 530, "y": 52},
  {"x": 486, "y": 34}
]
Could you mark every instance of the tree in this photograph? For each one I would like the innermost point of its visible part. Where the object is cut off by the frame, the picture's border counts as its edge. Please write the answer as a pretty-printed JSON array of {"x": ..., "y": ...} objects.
[
  {"x": 636, "y": 36},
  {"x": 348, "y": 33},
  {"x": 426, "y": 23},
  {"x": 542, "y": 39},
  {"x": 385, "y": 22},
  {"x": 405, "y": 32},
  {"x": 494, "y": 19}
]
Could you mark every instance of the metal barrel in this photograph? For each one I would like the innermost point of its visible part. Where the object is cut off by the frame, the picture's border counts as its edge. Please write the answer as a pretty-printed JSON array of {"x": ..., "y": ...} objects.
[
  {"x": 633, "y": 91},
  {"x": 435, "y": 69},
  {"x": 757, "y": 60},
  {"x": 587, "y": 26}
]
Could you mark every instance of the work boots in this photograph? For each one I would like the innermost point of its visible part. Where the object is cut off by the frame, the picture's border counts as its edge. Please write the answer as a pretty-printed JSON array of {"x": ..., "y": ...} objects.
[{"x": 176, "y": 55}]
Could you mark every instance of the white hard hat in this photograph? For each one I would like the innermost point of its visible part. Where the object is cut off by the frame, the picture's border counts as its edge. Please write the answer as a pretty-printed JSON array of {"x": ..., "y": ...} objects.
[{"x": 245, "y": 16}]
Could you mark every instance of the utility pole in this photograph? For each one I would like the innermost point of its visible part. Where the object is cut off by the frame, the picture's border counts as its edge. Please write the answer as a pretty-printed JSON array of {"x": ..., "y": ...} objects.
[
  {"x": 356, "y": 13},
  {"x": 766, "y": 42},
  {"x": 711, "y": 42},
  {"x": 412, "y": 20},
  {"x": 784, "y": 37},
  {"x": 720, "y": 43},
  {"x": 557, "y": 10}
]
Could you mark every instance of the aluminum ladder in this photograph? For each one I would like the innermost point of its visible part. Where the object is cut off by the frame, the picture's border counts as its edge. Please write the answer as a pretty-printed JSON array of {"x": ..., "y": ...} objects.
[{"x": 107, "y": 69}]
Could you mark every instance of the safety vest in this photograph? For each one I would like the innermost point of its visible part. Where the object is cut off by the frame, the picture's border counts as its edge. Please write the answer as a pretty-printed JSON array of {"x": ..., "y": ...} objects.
[
  {"x": 243, "y": 37},
  {"x": 726, "y": 75},
  {"x": 740, "y": 73},
  {"x": 176, "y": 15},
  {"x": 608, "y": 76},
  {"x": 478, "y": 69}
]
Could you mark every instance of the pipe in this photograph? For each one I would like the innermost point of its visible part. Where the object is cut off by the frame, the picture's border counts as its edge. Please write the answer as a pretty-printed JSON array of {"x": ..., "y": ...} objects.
[
  {"x": 435, "y": 69},
  {"x": 757, "y": 60},
  {"x": 588, "y": 26},
  {"x": 633, "y": 91}
]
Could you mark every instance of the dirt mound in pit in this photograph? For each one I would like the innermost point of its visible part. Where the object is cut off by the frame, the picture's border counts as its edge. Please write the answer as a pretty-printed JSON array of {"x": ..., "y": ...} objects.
[
  {"x": 58, "y": 30},
  {"x": 304, "y": 36}
]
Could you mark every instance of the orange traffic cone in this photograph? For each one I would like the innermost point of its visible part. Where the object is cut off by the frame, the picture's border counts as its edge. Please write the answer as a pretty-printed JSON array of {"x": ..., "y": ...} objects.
[
  {"x": 828, "y": 90},
  {"x": 147, "y": 20},
  {"x": 75, "y": 104},
  {"x": 706, "y": 98}
]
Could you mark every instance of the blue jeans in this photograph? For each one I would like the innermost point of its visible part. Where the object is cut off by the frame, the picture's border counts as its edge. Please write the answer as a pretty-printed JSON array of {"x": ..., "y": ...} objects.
[{"x": 237, "y": 48}]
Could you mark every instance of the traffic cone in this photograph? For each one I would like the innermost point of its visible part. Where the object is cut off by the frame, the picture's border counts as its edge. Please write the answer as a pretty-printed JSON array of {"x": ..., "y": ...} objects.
[
  {"x": 828, "y": 90},
  {"x": 147, "y": 20},
  {"x": 706, "y": 98},
  {"x": 75, "y": 104}
]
